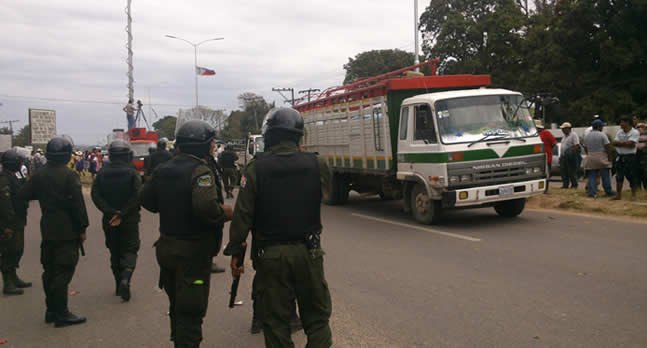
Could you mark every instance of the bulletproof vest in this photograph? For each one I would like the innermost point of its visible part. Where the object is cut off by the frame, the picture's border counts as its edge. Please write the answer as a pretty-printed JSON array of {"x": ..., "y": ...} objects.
[
  {"x": 213, "y": 165},
  {"x": 288, "y": 196},
  {"x": 227, "y": 159},
  {"x": 158, "y": 157},
  {"x": 20, "y": 207},
  {"x": 173, "y": 184},
  {"x": 115, "y": 184}
]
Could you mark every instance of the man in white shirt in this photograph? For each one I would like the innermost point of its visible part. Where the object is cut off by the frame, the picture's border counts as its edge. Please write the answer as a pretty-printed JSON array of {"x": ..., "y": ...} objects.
[
  {"x": 569, "y": 151},
  {"x": 626, "y": 143}
]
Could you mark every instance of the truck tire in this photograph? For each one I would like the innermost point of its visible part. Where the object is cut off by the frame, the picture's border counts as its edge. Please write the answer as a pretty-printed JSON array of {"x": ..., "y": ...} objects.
[
  {"x": 342, "y": 191},
  {"x": 510, "y": 209},
  {"x": 331, "y": 196},
  {"x": 424, "y": 210}
]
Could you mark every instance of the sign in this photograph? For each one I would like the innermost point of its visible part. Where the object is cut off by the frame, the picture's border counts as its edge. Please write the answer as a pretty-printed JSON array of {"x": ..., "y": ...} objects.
[{"x": 42, "y": 124}]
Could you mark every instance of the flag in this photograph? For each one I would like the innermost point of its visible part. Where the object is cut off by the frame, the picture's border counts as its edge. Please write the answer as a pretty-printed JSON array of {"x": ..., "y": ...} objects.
[{"x": 204, "y": 71}]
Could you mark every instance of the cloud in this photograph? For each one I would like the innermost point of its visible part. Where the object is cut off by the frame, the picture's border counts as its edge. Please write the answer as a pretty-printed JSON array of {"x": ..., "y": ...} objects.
[{"x": 68, "y": 49}]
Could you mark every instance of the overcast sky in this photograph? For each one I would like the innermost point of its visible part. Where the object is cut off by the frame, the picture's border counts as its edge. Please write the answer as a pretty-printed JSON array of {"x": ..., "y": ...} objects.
[{"x": 75, "y": 50}]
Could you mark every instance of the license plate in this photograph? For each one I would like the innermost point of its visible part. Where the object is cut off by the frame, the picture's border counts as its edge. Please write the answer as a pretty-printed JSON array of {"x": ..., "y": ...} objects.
[{"x": 506, "y": 190}]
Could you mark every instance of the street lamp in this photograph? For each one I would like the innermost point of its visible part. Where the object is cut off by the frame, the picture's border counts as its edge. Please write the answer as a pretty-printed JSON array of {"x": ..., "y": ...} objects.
[
  {"x": 195, "y": 59},
  {"x": 416, "y": 59}
]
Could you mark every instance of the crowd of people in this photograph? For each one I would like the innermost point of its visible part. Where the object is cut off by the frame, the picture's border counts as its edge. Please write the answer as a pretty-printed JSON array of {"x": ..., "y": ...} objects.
[
  {"x": 597, "y": 157},
  {"x": 186, "y": 190}
]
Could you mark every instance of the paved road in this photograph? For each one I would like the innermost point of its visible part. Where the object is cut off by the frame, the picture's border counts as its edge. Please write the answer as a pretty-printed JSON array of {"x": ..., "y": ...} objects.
[{"x": 476, "y": 280}]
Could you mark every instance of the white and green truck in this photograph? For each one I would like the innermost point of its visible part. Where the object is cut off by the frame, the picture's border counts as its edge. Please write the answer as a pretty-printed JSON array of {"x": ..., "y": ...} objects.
[{"x": 436, "y": 142}]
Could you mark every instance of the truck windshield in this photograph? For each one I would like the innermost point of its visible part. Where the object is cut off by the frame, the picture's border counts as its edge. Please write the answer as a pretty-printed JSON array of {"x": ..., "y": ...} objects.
[
  {"x": 471, "y": 119},
  {"x": 259, "y": 144},
  {"x": 140, "y": 149}
]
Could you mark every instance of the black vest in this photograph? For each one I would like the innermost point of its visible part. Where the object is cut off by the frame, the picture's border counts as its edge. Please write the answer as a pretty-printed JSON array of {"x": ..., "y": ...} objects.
[
  {"x": 227, "y": 159},
  {"x": 19, "y": 207},
  {"x": 288, "y": 196},
  {"x": 116, "y": 184},
  {"x": 158, "y": 157},
  {"x": 173, "y": 184}
]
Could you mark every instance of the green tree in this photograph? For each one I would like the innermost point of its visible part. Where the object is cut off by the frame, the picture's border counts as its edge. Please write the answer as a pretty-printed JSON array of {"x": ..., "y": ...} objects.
[
  {"x": 5, "y": 130},
  {"x": 165, "y": 126},
  {"x": 23, "y": 137},
  {"x": 255, "y": 107},
  {"x": 376, "y": 62}
]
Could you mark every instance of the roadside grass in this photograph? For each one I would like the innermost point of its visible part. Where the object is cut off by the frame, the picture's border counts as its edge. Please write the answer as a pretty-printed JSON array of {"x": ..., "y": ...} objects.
[{"x": 576, "y": 200}]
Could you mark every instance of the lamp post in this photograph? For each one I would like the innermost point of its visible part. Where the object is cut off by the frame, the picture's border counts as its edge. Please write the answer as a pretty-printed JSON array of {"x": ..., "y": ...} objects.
[
  {"x": 416, "y": 59},
  {"x": 195, "y": 60}
]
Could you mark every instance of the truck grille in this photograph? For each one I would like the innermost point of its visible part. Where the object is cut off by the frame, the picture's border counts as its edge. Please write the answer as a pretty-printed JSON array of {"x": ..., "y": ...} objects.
[{"x": 492, "y": 172}]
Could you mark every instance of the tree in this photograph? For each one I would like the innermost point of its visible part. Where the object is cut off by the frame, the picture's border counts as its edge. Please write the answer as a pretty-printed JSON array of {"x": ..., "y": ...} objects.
[
  {"x": 376, "y": 62},
  {"x": 23, "y": 137},
  {"x": 255, "y": 107},
  {"x": 5, "y": 130},
  {"x": 166, "y": 127},
  {"x": 214, "y": 117}
]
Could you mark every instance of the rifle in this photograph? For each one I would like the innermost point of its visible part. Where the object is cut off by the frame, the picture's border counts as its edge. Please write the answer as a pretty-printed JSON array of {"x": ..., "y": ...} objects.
[{"x": 234, "y": 284}]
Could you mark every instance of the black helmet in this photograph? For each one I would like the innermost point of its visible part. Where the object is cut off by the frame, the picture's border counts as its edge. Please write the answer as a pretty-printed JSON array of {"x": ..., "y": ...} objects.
[
  {"x": 119, "y": 149},
  {"x": 161, "y": 143},
  {"x": 282, "y": 124},
  {"x": 59, "y": 149},
  {"x": 194, "y": 137},
  {"x": 11, "y": 160}
]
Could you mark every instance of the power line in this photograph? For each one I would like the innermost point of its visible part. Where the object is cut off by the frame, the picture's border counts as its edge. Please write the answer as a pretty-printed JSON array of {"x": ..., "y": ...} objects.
[
  {"x": 83, "y": 101},
  {"x": 309, "y": 91},
  {"x": 279, "y": 90},
  {"x": 11, "y": 122}
]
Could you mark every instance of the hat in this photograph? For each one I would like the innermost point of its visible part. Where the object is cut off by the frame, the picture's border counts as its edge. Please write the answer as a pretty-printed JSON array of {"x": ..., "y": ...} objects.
[
  {"x": 566, "y": 125},
  {"x": 539, "y": 124},
  {"x": 598, "y": 123},
  {"x": 595, "y": 117}
]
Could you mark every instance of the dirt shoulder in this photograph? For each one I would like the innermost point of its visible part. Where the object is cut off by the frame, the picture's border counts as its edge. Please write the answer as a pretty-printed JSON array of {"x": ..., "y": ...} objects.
[{"x": 576, "y": 201}]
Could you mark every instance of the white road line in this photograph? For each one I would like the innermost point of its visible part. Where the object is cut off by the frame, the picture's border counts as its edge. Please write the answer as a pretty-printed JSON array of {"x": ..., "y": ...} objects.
[{"x": 420, "y": 228}]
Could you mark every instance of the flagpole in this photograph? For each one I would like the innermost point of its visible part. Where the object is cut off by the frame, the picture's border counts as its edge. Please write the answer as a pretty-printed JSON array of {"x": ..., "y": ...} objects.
[{"x": 195, "y": 60}]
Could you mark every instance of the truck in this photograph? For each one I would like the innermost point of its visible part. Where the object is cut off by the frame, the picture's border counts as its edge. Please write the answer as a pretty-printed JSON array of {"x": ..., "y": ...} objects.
[
  {"x": 141, "y": 140},
  {"x": 435, "y": 142}
]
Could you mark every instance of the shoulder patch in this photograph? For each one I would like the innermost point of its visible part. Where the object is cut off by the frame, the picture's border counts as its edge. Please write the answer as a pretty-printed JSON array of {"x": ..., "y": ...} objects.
[
  {"x": 205, "y": 181},
  {"x": 243, "y": 181}
]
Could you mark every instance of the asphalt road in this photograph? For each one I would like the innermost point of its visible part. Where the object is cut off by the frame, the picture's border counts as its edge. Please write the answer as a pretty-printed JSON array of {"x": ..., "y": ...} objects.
[{"x": 476, "y": 280}]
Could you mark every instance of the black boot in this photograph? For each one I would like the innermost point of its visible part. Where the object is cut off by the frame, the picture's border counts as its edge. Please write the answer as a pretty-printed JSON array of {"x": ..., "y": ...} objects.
[
  {"x": 50, "y": 317},
  {"x": 67, "y": 318},
  {"x": 124, "y": 286},
  {"x": 216, "y": 269},
  {"x": 19, "y": 282},
  {"x": 9, "y": 287}
]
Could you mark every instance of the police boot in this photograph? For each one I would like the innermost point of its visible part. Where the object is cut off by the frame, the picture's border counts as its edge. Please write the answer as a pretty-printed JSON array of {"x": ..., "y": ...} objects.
[
  {"x": 19, "y": 282},
  {"x": 67, "y": 318},
  {"x": 295, "y": 323},
  {"x": 124, "y": 285},
  {"x": 9, "y": 287}
]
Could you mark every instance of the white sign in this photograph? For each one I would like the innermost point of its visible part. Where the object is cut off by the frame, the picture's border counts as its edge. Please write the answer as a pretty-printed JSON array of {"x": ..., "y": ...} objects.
[{"x": 42, "y": 124}]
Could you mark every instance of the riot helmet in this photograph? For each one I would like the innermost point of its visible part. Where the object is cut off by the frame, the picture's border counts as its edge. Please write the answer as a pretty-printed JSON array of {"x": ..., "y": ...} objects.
[
  {"x": 59, "y": 149},
  {"x": 161, "y": 143},
  {"x": 282, "y": 124},
  {"x": 11, "y": 160},
  {"x": 194, "y": 137},
  {"x": 120, "y": 150}
]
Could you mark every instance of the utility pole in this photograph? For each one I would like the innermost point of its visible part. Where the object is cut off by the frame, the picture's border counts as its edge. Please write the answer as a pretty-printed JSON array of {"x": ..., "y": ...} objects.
[
  {"x": 279, "y": 90},
  {"x": 129, "y": 48},
  {"x": 310, "y": 90},
  {"x": 11, "y": 122},
  {"x": 253, "y": 100},
  {"x": 416, "y": 58}
]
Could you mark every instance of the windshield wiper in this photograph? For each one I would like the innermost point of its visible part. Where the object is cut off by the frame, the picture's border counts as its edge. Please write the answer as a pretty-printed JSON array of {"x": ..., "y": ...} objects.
[
  {"x": 485, "y": 137},
  {"x": 518, "y": 138}
]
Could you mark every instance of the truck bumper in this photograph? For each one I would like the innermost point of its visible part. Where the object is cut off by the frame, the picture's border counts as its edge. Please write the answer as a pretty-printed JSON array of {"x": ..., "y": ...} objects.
[{"x": 477, "y": 196}]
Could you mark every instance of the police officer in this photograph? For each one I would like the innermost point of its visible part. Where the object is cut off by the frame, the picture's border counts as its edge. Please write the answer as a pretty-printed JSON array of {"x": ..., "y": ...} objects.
[
  {"x": 184, "y": 193},
  {"x": 115, "y": 194},
  {"x": 287, "y": 226},
  {"x": 157, "y": 157},
  {"x": 63, "y": 224},
  {"x": 227, "y": 160},
  {"x": 13, "y": 218}
]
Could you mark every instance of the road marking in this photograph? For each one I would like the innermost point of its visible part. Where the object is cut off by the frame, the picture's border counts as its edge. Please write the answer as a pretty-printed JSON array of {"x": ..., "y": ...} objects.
[{"x": 420, "y": 228}]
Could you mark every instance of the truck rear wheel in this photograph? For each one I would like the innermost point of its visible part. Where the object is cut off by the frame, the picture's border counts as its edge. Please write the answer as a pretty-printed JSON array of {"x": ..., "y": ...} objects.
[
  {"x": 424, "y": 209},
  {"x": 510, "y": 208},
  {"x": 337, "y": 192}
]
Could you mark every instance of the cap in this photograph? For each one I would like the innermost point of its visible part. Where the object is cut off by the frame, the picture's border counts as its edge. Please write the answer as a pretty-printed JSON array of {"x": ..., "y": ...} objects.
[
  {"x": 598, "y": 123},
  {"x": 539, "y": 124},
  {"x": 566, "y": 125}
]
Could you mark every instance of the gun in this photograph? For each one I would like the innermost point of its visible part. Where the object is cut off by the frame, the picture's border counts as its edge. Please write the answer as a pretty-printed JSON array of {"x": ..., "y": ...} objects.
[{"x": 234, "y": 284}]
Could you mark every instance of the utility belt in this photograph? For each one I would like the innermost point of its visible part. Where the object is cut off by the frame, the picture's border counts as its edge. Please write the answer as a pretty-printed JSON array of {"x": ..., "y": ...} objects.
[{"x": 312, "y": 241}]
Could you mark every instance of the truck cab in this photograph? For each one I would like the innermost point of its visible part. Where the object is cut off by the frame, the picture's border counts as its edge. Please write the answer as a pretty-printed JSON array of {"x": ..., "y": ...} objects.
[{"x": 468, "y": 148}]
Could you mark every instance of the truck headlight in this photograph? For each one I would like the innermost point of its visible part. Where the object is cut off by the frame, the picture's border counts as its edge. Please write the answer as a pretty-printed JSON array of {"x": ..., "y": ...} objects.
[
  {"x": 466, "y": 177},
  {"x": 453, "y": 179},
  {"x": 528, "y": 171},
  {"x": 536, "y": 170}
]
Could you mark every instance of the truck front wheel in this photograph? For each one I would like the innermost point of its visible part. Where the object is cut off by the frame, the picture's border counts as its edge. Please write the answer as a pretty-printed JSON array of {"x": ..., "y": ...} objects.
[
  {"x": 510, "y": 208},
  {"x": 424, "y": 210}
]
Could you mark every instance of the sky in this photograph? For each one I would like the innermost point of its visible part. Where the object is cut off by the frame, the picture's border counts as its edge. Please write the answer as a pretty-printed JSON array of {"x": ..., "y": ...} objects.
[{"x": 70, "y": 55}]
